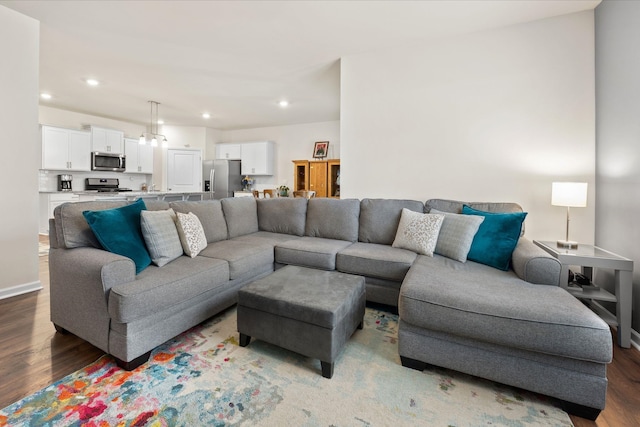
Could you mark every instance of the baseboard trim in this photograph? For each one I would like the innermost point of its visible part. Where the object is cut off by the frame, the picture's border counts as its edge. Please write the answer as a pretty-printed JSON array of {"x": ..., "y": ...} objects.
[
  {"x": 20, "y": 289},
  {"x": 610, "y": 318}
]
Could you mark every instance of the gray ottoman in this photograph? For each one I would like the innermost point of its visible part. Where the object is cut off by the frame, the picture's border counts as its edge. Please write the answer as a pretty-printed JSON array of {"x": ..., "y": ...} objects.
[{"x": 312, "y": 312}]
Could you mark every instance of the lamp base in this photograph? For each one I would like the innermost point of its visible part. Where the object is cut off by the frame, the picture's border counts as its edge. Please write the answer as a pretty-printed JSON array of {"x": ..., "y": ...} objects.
[{"x": 567, "y": 244}]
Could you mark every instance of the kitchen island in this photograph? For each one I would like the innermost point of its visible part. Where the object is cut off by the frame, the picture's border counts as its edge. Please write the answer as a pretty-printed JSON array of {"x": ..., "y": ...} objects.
[{"x": 50, "y": 199}]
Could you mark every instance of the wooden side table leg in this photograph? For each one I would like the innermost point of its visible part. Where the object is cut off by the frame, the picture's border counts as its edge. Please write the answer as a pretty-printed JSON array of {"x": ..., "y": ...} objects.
[{"x": 624, "y": 288}]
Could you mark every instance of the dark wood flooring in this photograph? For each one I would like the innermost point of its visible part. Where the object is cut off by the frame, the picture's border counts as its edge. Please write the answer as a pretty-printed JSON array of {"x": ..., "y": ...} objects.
[{"x": 33, "y": 355}]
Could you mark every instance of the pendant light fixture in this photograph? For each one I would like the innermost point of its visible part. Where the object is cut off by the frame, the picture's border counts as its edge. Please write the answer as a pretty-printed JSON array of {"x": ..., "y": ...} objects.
[{"x": 153, "y": 130}]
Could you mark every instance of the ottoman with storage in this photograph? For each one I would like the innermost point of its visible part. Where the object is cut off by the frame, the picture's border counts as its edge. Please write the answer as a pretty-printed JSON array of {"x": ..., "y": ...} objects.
[{"x": 312, "y": 312}]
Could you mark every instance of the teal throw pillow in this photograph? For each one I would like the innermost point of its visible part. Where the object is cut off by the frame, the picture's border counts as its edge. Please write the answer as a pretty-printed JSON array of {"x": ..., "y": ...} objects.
[
  {"x": 118, "y": 230},
  {"x": 496, "y": 238}
]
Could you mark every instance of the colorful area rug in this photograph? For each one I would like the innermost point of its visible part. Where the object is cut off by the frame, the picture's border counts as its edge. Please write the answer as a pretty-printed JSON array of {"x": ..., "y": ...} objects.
[{"x": 203, "y": 377}]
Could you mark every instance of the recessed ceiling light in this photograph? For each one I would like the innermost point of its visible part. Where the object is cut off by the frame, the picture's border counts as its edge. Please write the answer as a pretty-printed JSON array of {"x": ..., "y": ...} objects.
[
  {"x": 45, "y": 96},
  {"x": 92, "y": 82},
  {"x": 284, "y": 103},
  {"x": 206, "y": 115}
]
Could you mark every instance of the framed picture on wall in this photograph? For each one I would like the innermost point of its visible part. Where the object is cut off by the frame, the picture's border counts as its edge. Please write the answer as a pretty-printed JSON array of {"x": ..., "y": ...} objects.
[{"x": 320, "y": 149}]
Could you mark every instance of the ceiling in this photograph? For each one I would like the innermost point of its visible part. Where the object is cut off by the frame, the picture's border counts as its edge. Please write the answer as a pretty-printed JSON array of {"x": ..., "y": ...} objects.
[{"x": 237, "y": 59}]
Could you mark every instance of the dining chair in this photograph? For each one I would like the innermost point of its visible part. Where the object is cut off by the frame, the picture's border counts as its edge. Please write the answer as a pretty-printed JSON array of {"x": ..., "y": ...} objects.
[
  {"x": 269, "y": 193},
  {"x": 304, "y": 193}
]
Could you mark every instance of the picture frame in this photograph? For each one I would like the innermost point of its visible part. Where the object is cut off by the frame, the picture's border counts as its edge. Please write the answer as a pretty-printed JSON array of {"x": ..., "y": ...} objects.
[{"x": 320, "y": 149}]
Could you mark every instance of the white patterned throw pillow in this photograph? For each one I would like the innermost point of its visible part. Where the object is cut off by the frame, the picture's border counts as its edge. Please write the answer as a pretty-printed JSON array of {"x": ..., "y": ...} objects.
[
  {"x": 191, "y": 233},
  {"x": 418, "y": 232}
]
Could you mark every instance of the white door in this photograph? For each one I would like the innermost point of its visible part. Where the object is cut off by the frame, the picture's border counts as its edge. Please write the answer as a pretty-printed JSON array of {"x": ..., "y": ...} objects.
[{"x": 184, "y": 171}]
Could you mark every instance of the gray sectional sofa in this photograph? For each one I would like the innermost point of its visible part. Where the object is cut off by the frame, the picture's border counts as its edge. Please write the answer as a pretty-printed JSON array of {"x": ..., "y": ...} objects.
[{"x": 516, "y": 327}]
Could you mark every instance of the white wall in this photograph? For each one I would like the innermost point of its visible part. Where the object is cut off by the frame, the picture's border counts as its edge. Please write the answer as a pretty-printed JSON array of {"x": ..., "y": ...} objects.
[
  {"x": 618, "y": 137},
  {"x": 19, "y": 49},
  {"x": 492, "y": 116},
  {"x": 294, "y": 142}
]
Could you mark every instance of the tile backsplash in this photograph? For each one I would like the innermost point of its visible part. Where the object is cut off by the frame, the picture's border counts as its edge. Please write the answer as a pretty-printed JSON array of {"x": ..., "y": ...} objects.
[{"x": 48, "y": 179}]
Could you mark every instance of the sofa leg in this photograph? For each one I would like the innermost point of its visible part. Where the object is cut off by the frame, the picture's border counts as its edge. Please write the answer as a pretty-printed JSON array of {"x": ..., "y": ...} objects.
[
  {"x": 61, "y": 330},
  {"x": 244, "y": 340},
  {"x": 130, "y": 366},
  {"x": 327, "y": 369},
  {"x": 580, "y": 410},
  {"x": 413, "y": 363}
]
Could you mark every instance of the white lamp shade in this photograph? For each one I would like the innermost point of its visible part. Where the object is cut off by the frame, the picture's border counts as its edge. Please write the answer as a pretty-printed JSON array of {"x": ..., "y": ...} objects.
[{"x": 572, "y": 194}]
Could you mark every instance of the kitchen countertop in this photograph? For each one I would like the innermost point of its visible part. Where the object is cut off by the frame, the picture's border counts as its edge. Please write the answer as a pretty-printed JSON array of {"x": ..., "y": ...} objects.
[{"x": 123, "y": 193}]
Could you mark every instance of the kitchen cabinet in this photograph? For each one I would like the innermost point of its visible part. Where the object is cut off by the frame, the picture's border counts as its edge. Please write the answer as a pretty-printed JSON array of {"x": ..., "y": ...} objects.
[
  {"x": 257, "y": 158},
  {"x": 48, "y": 202},
  {"x": 229, "y": 151},
  {"x": 322, "y": 176},
  {"x": 107, "y": 140},
  {"x": 65, "y": 149},
  {"x": 139, "y": 157}
]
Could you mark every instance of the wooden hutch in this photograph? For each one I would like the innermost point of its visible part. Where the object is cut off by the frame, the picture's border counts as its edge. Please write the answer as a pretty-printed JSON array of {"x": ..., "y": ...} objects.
[{"x": 321, "y": 176}]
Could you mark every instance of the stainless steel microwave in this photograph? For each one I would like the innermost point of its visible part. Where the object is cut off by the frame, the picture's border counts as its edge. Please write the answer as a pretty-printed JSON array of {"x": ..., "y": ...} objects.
[{"x": 108, "y": 162}]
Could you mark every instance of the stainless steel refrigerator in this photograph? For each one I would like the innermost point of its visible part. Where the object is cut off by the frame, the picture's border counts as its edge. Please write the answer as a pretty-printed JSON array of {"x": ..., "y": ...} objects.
[{"x": 221, "y": 177}]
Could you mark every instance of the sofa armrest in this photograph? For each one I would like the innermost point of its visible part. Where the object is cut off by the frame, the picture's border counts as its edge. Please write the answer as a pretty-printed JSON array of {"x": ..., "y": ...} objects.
[
  {"x": 534, "y": 265},
  {"x": 80, "y": 280}
]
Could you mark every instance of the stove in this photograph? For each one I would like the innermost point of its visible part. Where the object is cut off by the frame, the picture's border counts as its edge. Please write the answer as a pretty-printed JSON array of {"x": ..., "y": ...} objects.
[{"x": 104, "y": 185}]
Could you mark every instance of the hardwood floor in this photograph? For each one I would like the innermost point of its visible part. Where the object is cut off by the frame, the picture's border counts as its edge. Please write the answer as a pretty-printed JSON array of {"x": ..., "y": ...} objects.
[{"x": 33, "y": 355}]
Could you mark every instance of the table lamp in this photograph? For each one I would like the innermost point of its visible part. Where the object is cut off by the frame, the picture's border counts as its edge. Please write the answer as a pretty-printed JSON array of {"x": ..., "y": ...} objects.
[{"x": 571, "y": 195}]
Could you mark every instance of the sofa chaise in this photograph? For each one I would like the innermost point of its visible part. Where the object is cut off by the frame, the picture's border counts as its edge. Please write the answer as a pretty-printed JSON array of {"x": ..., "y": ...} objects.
[{"x": 517, "y": 327}]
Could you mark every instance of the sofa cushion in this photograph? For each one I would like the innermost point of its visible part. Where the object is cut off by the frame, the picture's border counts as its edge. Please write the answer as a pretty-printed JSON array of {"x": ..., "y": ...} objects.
[
  {"x": 314, "y": 252},
  {"x": 157, "y": 205},
  {"x": 285, "y": 215},
  {"x": 241, "y": 215},
  {"x": 210, "y": 214},
  {"x": 333, "y": 218},
  {"x": 157, "y": 289},
  {"x": 161, "y": 236},
  {"x": 265, "y": 238},
  {"x": 374, "y": 260},
  {"x": 379, "y": 219},
  {"x": 72, "y": 229},
  {"x": 456, "y": 234},
  {"x": 496, "y": 238},
  {"x": 418, "y": 232},
  {"x": 191, "y": 234},
  {"x": 242, "y": 257},
  {"x": 455, "y": 206},
  {"x": 118, "y": 231},
  {"x": 480, "y": 302}
]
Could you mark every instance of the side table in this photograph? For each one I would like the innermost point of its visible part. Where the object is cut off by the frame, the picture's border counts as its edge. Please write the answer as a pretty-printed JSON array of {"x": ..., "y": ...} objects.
[{"x": 587, "y": 257}]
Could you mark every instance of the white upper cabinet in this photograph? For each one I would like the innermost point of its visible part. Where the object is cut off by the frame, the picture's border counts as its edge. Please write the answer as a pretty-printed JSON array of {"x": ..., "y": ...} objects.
[
  {"x": 139, "y": 157},
  {"x": 65, "y": 149},
  {"x": 107, "y": 140},
  {"x": 257, "y": 158},
  {"x": 229, "y": 151}
]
